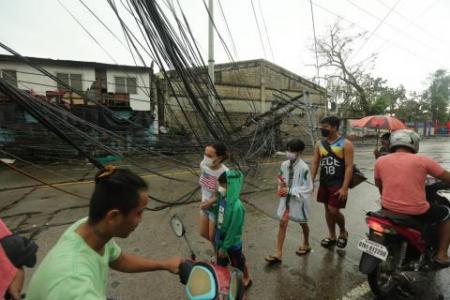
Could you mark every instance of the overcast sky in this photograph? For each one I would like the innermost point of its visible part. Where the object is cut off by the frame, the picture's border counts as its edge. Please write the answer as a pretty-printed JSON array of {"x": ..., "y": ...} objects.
[{"x": 412, "y": 42}]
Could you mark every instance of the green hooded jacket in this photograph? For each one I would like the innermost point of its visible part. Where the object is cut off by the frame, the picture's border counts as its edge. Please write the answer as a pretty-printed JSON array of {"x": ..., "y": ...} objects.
[{"x": 231, "y": 228}]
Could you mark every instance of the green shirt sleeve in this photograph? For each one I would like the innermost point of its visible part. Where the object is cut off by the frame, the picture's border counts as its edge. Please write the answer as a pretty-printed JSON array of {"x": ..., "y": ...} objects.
[{"x": 114, "y": 250}]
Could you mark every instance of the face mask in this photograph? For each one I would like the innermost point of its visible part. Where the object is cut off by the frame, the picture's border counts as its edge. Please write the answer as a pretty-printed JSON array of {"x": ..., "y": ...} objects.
[
  {"x": 291, "y": 155},
  {"x": 325, "y": 132},
  {"x": 207, "y": 161},
  {"x": 222, "y": 191}
]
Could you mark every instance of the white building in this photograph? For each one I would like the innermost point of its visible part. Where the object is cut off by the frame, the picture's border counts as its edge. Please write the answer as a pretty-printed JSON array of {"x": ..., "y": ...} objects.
[{"x": 113, "y": 85}]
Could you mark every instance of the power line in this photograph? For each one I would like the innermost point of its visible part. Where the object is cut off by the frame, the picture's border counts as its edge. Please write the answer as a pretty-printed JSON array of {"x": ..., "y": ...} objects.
[
  {"x": 424, "y": 30},
  {"x": 390, "y": 25},
  {"x": 399, "y": 46},
  {"x": 92, "y": 36},
  {"x": 265, "y": 29},
  {"x": 382, "y": 21},
  {"x": 87, "y": 31},
  {"x": 233, "y": 44},
  {"x": 259, "y": 29}
]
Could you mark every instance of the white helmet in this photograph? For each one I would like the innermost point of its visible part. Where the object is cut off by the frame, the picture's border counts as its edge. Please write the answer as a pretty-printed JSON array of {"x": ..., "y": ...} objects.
[{"x": 405, "y": 138}]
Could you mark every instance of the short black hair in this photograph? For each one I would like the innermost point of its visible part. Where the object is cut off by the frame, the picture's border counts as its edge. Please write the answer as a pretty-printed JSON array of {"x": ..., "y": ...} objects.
[
  {"x": 118, "y": 189},
  {"x": 296, "y": 145},
  {"x": 333, "y": 121},
  {"x": 222, "y": 178},
  {"x": 221, "y": 150},
  {"x": 386, "y": 136}
]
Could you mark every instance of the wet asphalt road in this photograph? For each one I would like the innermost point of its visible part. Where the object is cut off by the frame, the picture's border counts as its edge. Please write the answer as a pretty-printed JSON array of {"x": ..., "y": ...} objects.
[{"x": 323, "y": 274}]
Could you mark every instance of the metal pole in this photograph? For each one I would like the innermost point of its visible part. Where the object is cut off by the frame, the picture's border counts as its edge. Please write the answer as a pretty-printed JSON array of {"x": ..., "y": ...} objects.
[
  {"x": 315, "y": 43},
  {"x": 211, "y": 50}
]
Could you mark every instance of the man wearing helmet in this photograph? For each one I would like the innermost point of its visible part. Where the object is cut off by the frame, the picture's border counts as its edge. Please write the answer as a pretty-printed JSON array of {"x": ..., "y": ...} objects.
[{"x": 400, "y": 178}]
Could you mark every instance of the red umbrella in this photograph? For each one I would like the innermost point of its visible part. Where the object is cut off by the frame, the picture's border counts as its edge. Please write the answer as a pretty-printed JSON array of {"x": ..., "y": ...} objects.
[{"x": 379, "y": 122}]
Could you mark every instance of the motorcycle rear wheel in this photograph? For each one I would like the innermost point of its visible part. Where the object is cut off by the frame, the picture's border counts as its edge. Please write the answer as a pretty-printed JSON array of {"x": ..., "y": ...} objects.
[{"x": 382, "y": 281}]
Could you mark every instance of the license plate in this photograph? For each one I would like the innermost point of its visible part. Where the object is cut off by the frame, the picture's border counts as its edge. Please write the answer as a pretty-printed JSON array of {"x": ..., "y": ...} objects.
[{"x": 373, "y": 248}]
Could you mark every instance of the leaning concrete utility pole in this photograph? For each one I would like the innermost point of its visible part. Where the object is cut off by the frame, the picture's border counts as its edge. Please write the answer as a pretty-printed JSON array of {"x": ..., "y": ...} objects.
[
  {"x": 311, "y": 117},
  {"x": 211, "y": 98}
]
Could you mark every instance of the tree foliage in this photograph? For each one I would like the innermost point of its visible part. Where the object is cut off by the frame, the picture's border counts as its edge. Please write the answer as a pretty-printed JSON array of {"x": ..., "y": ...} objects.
[
  {"x": 437, "y": 95},
  {"x": 362, "y": 93}
]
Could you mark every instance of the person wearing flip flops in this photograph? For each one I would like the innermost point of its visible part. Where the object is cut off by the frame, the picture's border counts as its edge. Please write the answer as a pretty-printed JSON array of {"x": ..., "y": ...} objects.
[
  {"x": 334, "y": 155},
  {"x": 400, "y": 178},
  {"x": 230, "y": 217},
  {"x": 295, "y": 189}
]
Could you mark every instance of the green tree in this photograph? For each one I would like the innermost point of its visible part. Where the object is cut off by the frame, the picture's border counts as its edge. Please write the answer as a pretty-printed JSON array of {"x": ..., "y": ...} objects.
[
  {"x": 412, "y": 108},
  {"x": 437, "y": 96}
]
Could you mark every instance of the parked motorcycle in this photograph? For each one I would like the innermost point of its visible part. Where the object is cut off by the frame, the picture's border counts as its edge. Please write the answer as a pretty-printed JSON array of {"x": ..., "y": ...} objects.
[
  {"x": 398, "y": 246},
  {"x": 207, "y": 281}
]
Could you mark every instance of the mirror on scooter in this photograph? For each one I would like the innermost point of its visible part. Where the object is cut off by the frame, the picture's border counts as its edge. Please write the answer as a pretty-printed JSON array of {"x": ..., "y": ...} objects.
[{"x": 177, "y": 226}]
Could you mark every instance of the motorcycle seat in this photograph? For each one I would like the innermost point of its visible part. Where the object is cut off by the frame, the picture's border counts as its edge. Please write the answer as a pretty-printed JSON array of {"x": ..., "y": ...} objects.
[{"x": 398, "y": 219}]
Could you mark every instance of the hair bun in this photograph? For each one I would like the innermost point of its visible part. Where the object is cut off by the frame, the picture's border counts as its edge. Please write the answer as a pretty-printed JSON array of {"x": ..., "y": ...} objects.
[{"x": 105, "y": 172}]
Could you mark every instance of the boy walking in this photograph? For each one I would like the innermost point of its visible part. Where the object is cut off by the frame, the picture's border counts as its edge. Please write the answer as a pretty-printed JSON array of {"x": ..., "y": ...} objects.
[
  {"x": 295, "y": 188},
  {"x": 230, "y": 223}
]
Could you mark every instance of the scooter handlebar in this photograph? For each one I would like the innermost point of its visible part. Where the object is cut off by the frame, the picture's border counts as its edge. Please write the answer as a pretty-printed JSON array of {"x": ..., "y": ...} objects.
[{"x": 185, "y": 269}]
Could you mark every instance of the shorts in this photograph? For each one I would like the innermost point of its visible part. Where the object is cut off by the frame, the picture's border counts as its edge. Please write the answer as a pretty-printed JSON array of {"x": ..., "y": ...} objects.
[
  {"x": 298, "y": 209},
  {"x": 434, "y": 215},
  {"x": 208, "y": 212},
  {"x": 235, "y": 256},
  {"x": 326, "y": 195}
]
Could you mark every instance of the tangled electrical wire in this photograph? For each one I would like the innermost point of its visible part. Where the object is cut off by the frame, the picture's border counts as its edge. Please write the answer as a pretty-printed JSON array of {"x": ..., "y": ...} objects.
[{"x": 176, "y": 53}]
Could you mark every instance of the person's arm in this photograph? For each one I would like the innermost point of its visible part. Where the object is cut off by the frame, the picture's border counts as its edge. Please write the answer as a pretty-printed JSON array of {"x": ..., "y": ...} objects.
[
  {"x": 129, "y": 263},
  {"x": 210, "y": 202},
  {"x": 348, "y": 157},
  {"x": 376, "y": 153},
  {"x": 376, "y": 173},
  {"x": 379, "y": 184},
  {"x": 315, "y": 162},
  {"x": 445, "y": 177},
  {"x": 16, "y": 286}
]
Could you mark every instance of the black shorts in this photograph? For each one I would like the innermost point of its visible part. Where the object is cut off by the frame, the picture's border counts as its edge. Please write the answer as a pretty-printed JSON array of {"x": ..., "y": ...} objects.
[
  {"x": 235, "y": 257},
  {"x": 434, "y": 215}
]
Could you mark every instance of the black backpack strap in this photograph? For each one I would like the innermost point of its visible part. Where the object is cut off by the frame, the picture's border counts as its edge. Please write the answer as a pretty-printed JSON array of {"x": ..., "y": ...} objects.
[{"x": 327, "y": 147}]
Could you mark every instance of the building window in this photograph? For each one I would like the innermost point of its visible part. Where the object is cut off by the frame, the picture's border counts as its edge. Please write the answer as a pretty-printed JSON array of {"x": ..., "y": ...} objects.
[
  {"x": 126, "y": 85},
  {"x": 73, "y": 80},
  {"x": 9, "y": 76}
]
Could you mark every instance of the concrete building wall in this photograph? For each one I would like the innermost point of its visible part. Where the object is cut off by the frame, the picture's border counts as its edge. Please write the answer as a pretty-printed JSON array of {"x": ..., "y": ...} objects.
[
  {"x": 29, "y": 78},
  {"x": 251, "y": 88},
  {"x": 140, "y": 100}
]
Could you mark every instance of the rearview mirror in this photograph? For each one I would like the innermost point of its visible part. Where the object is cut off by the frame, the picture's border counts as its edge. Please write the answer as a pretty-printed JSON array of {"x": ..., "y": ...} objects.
[{"x": 177, "y": 226}]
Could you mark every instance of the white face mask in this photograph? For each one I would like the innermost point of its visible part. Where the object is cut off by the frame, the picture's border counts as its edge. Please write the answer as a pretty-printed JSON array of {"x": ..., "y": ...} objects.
[
  {"x": 208, "y": 161},
  {"x": 222, "y": 191},
  {"x": 291, "y": 155}
]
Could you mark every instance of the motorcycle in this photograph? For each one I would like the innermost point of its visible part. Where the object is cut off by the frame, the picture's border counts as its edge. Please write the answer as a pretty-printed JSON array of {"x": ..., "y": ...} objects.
[
  {"x": 207, "y": 281},
  {"x": 398, "y": 246}
]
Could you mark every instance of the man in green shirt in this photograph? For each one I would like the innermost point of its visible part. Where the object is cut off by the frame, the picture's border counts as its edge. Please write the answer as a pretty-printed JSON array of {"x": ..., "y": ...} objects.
[{"x": 77, "y": 266}]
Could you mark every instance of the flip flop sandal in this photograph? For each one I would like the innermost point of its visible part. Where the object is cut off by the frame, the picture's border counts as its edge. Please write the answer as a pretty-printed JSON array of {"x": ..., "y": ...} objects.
[
  {"x": 273, "y": 260},
  {"x": 303, "y": 251},
  {"x": 442, "y": 264},
  {"x": 249, "y": 285},
  {"x": 327, "y": 242},
  {"x": 342, "y": 242}
]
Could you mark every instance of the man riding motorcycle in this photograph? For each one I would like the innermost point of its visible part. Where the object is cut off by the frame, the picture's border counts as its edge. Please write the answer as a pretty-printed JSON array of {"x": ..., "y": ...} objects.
[{"x": 400, "y": 177}]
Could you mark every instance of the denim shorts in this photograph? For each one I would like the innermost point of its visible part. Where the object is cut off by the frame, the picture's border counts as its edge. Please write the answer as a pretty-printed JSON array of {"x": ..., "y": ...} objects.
[{"x": 208, "y": 212}]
